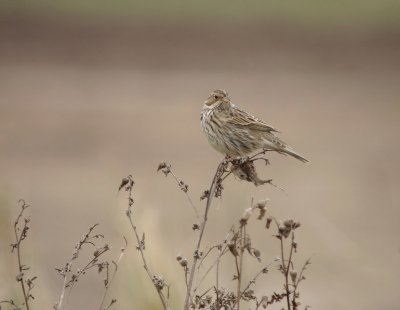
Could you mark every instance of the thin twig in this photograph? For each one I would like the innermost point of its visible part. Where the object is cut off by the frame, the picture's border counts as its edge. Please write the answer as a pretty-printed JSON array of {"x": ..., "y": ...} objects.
[
  {"x": 285, "y": 274},
  {"x": 240, "y": 270},
  {"x": 128, "y": 182},
  {"x": 253, "y": 280},
  {"x": 86, "y": 239},
  {"x": 187, "y": 195},
  {"x": 221, "y": 253},
  {"x": 107, "y": 281},
  {"x": 300, "y": 278},
  {"x": 18, "y": 240},
  {"x": 222, "y": 250},
  {"x": 166, "y": 169}
]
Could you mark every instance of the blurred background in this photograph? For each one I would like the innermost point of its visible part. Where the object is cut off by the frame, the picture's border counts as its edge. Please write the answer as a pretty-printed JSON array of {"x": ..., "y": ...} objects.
[{"x": 92, "y": 91}]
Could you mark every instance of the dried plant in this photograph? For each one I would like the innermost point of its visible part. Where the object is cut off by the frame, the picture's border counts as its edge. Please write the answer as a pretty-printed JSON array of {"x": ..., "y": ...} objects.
[
  {"x": 206, "y": 287},
  {"x": 157, "y": 280},
  {"x": 237, "y": 243},
  {"x": 21, "y": 228},
  {"x": 71, "y": 276}
]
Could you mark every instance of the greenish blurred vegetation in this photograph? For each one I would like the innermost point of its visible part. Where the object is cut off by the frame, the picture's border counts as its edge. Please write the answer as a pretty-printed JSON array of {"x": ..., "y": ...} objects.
[{"x": 349, "y": 13}]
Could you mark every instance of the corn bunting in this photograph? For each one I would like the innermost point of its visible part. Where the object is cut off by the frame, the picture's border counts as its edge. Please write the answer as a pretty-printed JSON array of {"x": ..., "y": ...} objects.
[{"x": 236, "y": 133}]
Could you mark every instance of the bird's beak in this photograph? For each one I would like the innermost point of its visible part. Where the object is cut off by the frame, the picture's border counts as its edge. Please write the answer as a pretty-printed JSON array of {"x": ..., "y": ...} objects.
[
  {"x": 226, "y": 99},
  {"x": 208, "y": 101}
]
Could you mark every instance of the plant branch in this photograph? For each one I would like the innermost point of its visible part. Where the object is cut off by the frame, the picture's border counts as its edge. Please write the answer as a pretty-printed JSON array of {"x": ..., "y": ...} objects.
[
  {"x": 107, "y": 281},
  {"x": 196, "y": 256},
  {"x": 19, "y": 237},
  {"x": 157, "y": 281},
  {"x": 166, "y": 169}
]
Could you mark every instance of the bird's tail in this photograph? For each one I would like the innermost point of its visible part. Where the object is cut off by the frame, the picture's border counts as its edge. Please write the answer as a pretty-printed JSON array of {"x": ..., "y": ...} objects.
[{"x": 294, "y": 154}]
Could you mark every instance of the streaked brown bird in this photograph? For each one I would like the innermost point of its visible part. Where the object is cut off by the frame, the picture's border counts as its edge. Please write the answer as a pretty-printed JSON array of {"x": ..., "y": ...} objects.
[{"x": 236, "y": 133}]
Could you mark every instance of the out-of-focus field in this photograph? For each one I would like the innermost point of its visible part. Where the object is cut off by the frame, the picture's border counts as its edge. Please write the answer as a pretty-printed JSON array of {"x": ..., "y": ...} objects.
[{"x": 85, "y": 103}]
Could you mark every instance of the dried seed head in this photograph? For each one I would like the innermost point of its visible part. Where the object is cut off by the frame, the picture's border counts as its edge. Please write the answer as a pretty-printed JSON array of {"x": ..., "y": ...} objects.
[
  {"x": 268, "y": 223},
  {"x": 161, "y": 165},
  {"x": 183, "y": 186},
  {"x": 164, "y": 167},
  {"x": 123, "y": 183},
  {"x": 183, "y": 262},
  {"x": 281, "y": 228},
  {"x": 245, "y": 170},
  {"x": 257, "y": 254},
  {"x": 246, "y": 216},
  {"x": 288, "y": 223},
  {"x": 205, "y": 195},
  {"x": 232, "y": 248},
  {"x": 247, "y": 244},
  {"x": 261, "y": 204},
  {"x": 179, "y": 257},
  {"x": 249, "y": 294},
  {"x": 293, "y": 275},
  {"x": 19, "y": 277},
  {"x": 285, "y": 228},
  {"x": 158, "y": 282}
]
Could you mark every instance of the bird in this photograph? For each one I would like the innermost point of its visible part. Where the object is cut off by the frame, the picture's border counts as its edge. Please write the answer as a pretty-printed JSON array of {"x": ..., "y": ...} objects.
[{"x": 235, "y": 133}]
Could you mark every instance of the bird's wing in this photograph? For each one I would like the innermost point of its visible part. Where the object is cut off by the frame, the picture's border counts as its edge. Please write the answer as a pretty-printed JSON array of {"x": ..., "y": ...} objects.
[{"x": 241, "y": 118}]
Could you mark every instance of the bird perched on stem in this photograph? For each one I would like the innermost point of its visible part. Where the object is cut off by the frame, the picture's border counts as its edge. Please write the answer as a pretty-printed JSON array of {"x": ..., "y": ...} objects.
[{"x": 236, "y": 133}]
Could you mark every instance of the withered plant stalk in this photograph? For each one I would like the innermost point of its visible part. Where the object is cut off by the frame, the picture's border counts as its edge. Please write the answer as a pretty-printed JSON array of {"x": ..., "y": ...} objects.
[
  {"x": 108, "y": 280},
  {"x": 20, "y": 235},
  {"x": 242, "y": 237},
  {"x": 211, "y": 193},
  {"x": 157, "y": 281}
]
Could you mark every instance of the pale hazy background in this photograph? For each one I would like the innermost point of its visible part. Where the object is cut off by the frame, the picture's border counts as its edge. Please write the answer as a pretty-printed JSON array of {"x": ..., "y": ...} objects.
[{"x": 91, "y": 91}]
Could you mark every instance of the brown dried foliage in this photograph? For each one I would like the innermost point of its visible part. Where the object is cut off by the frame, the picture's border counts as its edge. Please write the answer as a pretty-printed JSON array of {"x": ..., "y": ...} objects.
[{"x": 203, "y": 263}]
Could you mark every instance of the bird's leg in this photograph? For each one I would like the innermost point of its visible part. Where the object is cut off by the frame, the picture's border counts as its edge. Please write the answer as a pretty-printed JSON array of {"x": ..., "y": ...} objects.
[{"x": 228, "y": 157}]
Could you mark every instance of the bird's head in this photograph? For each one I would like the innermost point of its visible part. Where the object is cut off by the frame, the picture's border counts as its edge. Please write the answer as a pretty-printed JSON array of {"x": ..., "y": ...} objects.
[{"x": 216, "y": 98}]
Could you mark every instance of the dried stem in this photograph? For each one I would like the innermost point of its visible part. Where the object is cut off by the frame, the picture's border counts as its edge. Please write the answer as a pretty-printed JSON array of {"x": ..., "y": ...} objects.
[
  {"x": 211, "y": 193},
  {"x": 87, "y": 239},
  {"x": 108, "y": 280},
  {"x": 296, "y": 283},
  {"x": 286, "y": 228},
  {"x": 166, "y": 169},
  {"x": 158, "y": 283},
  {"x": 62, "y": 295},
  {"x": 221, "y": 251},
  {"x": 285, "y": 271},
  {"x": 20, "y": 235},
  {"x": 242, "y": 238},
  {"x": 253, "y": 280}
]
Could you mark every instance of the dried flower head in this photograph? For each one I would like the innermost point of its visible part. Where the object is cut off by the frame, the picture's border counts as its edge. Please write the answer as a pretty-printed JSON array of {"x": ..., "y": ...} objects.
[
  {"x": 159, "y": 282},
  {"x": 268, "y": 222},
  {"x": 245, "y": 170},
  {"x": 183, "y": 262},
  {"x": 246, "y": 216},
  {"x": 262, "y": 206},
  {"x": 293, "y": 275},
  {"x": 164, "y": 167}
]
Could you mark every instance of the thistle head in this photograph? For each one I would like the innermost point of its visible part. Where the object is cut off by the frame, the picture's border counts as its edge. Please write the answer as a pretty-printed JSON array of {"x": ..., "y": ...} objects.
[{"x": 217, "y": 97}]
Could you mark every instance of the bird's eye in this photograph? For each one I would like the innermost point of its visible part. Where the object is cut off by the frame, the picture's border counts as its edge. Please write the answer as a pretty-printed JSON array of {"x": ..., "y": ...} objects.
[{"x": 215, "y": 97}]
